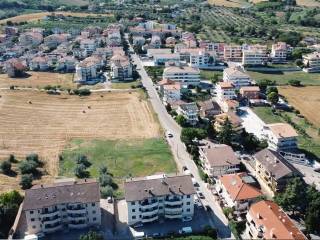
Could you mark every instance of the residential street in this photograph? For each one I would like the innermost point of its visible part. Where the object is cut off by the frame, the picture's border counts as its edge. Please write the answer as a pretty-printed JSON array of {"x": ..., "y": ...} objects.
[{"x": 181, "y": 156}]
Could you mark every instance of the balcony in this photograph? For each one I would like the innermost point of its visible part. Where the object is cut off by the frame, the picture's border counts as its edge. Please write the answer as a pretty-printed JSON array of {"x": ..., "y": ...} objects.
[
  {"x": 173, "y": 202},
  {"x": 77, "y": 217},
  {"x": 77, "y": 225},
  {"x": 76, "y": 210},
  {"x": 148, "y": 205},
  {"x": 174, "y": 208},
  {"x": 150, "y": 211},
  {"x": 52, "y": 228},
  {"x": 50, "y": 213},
  {"x": 173, "y": 215},
  {"x": 149, "y": 219},
  {"x": 51, "y": 221}
]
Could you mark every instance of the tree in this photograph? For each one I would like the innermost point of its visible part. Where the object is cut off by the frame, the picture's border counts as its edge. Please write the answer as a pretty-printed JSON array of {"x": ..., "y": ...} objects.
[
  {"x": 294, "y": 83},
  {"x": 106, "y": 191},
  {"x": 271, "y": 89},
  {"x": 81, "y": 171},
  {"x": 273, "y": 97},
  {"x": 181, "y": 120},
  {"x": 26, "y": 181},
  {"x": 9, "y": 205},
  {"x": 294, "y": 197},
  {"x": 91, "y": 235},
  {"x": 12, "y": 158},
  {"x": 313, "y": 210},
  {"x": 264, "y": 83},
  {"x": 103, "y": 170},
  {"x": 6, "y": 167},
  {"x": 82, "y": 159},
  {"x": 226, "y": 133},
  {"x": 189, "y": 134},
  {"x": 105, "y": 180},
  {"x": 33, "y": 157},
  {"x": 28, "y": 167}
]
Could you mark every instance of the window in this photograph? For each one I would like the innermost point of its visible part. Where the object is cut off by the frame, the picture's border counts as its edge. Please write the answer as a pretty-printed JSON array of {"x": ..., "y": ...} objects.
[
  {"x": 33, "y": 227},
  {"x": 188, "y": 203},
  {"x": 188, "y": 196},
  {"x": 31, "y": 212},
  {"x": 133, "y": 217},
  {"x": 133, "y": 203},
  {"x": 32, "y": 219},
  {"x": 93, "y": 204},
  {"x": 94, "y": 219},
  {"x": 188, "y": 209},
  {"x": 93, "y": 212},
  {"x": 63, "y": 209},
  {"x": 133, "y": 210}
]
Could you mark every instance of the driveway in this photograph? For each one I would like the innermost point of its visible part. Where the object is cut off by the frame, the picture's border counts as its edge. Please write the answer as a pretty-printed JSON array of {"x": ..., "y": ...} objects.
[{"x": 251, "y": 122}]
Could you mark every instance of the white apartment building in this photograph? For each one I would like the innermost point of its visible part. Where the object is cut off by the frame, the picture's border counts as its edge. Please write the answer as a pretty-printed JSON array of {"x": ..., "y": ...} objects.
[
  {"x": 190, "y": 111},
  {"x": 266, "y": 220},
  {"x": 151, "y": 52},
  {"x": 183, "y": 74},
  {"x": 311, "y": 62},
  {"x": 225, "y": 91},
  {"x": 280, "y": 136},
  {"x": 200, "y": 59},
  {"x": 279, "y": 52},
  {"x": 254, "y": 55},
  {"x": 30, "y": 38},
  {"x": 121, "y": 68},
  {"x": 86, "y": 71},
  {"x": 62, "y": 206},
  {"x": 218, "y": 159},
  {"x": 159, "y": 197},
  {"x": 88, "y": 46},
  {"x": 171, "y": 92},
  {"x": 237, "y": 190},
  {"x": 236, "y": 77}
]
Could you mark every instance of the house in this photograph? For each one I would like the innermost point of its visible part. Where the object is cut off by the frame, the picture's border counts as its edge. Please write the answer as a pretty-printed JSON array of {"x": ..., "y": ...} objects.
[
  {"x": 250, "y": 92},
  {"x": 232, "y": 53},
  {"x": 266, "y": 220},
  {"x": 225, "y": 91},
  {"x": 121, "y": 68},
  {"x": 254, "y": 55},
  {"x": 30, "y": 38},
  {"x": 15, "y": 67},
  {"x": 236, "y": 76},
  {"x": 236, "y": 122},
  {"x": 279, "y": 52},
  {"x": 236, "y": 192},
  {"x": 155, "y": 42},
  {"x": 190, "y": 111},
  {"x": 61, "y": 206},
  {"x": 208, "y": 109},
  {"x": 162, "y": 59},
  {"x": 189, "y": 39},
  {"x": 311, "y": 62},
  {"x": 138, "y": 40},
  {"x": 273, "y": 170},
  {"x": 171, "y": 92},
  {"x": 218, "y": 159},
  {"x": 152, "y": 197},
  {"x": 170, "y": 42},
  {"x": 229, "y": 105},
  {"x": 280, "y": 136},
  {"x": 87, "y": 70},
  {"x": 52, "y": 41},
  {"x": 39, "y": 63},
  {"x": 67, "y": 64},
  {"x": 183, "y": 74}
]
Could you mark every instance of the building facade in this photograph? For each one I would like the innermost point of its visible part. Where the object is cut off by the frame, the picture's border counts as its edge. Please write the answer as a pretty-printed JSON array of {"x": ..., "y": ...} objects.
[
  {"x": 236, "y": 77},
  {"x": 185, "y": 75}
]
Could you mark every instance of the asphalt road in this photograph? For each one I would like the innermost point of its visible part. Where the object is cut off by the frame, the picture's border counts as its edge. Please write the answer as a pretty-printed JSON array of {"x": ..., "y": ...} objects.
[{"x": 218, "y": 220}]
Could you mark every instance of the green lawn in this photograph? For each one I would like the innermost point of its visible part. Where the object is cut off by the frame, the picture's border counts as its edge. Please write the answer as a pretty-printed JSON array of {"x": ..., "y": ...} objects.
[
  {"x": 282, "y": 78},
  {"x": 310, "y": 144},
  {"x": 124, "y": 158},
  {"x": 125, "y": 85},
  {"x": 207, "y": 75}
]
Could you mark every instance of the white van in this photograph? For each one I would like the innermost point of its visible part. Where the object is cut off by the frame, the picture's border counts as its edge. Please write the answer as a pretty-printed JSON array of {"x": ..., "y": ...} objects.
[{"x": 185, "y": 230}]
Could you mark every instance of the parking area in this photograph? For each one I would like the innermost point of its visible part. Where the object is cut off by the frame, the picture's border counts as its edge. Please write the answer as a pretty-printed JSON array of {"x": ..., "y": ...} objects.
[
  {"x": 309, "y": 175},
  {"x": 163, "y": 227}
]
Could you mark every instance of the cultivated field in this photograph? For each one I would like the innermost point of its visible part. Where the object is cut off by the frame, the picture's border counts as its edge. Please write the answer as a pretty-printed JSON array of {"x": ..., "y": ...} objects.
[
  {"x": 306, "y": 100},
  {"x": 33, "y": 121},
  {"x": 39, "y": 80},
  {"x": 227, "y": 3},
  {"x": 41, "y": 15}
]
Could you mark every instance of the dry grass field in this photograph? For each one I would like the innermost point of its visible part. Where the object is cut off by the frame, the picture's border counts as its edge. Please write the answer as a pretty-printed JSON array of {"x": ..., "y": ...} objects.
[
  {"x": 308, "y": 3},
  {"x": 39, "y": 80},
  {"x": 306, "y": 100},
  {"x": 38, "y": 16},
  {"x": 34, "y": 121}
]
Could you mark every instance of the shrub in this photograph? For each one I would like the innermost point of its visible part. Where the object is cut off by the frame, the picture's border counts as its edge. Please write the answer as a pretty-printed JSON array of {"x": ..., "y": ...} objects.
[
  {"x": 295, "y": 83},
  {"x": 26, "y": 181},
  {"x": 28, "y": 167},
  {"x": 81, "y": 171},
  {"x": 82, "y": 159},
  {"x": 106, "y": 191},
  {"x": 6, "y": 167},
  {"x": 12, "y": 158}
]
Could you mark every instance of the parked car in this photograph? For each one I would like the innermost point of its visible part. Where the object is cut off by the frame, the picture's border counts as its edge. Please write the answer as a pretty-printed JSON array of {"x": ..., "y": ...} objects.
[
  {"x": 137, "y": 225},
  {"x": 184, "y": 168},
  {"x": 185, "y": 230},
  {"x": 186, "y": 219},
  {"x": 200, "y": 194}
]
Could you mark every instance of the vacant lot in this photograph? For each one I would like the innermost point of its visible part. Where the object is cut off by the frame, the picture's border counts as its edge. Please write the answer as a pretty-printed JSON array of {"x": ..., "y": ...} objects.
[
  {"x": 306, "y": 100},
  {"x": 39, "y": 80},
  {"x": 282, "y": 78},
  {"x": 36, "y": 122},
  {"x": 308, "y": 3},
  {"x": 41, "y": 15},
  {"x": 124, "y": 158}
]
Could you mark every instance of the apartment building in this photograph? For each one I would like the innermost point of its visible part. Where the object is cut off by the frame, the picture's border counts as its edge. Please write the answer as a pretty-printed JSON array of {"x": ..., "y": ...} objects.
[
  {"x": 61, "y": 206},
  {"x": 273, "y": 170},
  {"x": 232, "y": 53},
  {"x": 39, "y": 63},
  {"x": 183, "y": 74},
  {"x": 171, "y": 92},
  {"x": 236, "y": 76},
  {"x": 159, "y": 197},
  {"x": 311, "y": 62},
  {"x": 30, "y": 38},
  {"x": 254, "y": 55},
  {"x": 279, "y": 52},
  {"x": 86, "y": 71},
  {"x": 15, "y": 67},
  {"x": 225, "y": 91},
  {"x": 88, "y": 46},
  {"x": 218, "y": 159},
  {"x": 190, "y": 111},
  {"x": 121, "y": 68},
  {"x": 52, "y": 41},
  {"x": 237, "y": 191},
  {"x": 162, "y": 59},
  {"x": 201, "y": 59},
  {"x": 266, "y": 220},
  {"x": 280, "y": 136},
  {"x": 155, "y": 41},
  {"x": 151, "y": 52},
  {"x": 138, "y": 40}
]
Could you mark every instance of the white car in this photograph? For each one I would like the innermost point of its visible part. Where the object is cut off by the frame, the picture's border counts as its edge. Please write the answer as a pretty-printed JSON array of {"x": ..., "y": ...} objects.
[
  {"x": 186, "y": 219},
  {"x": 169, "y": 134}
]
